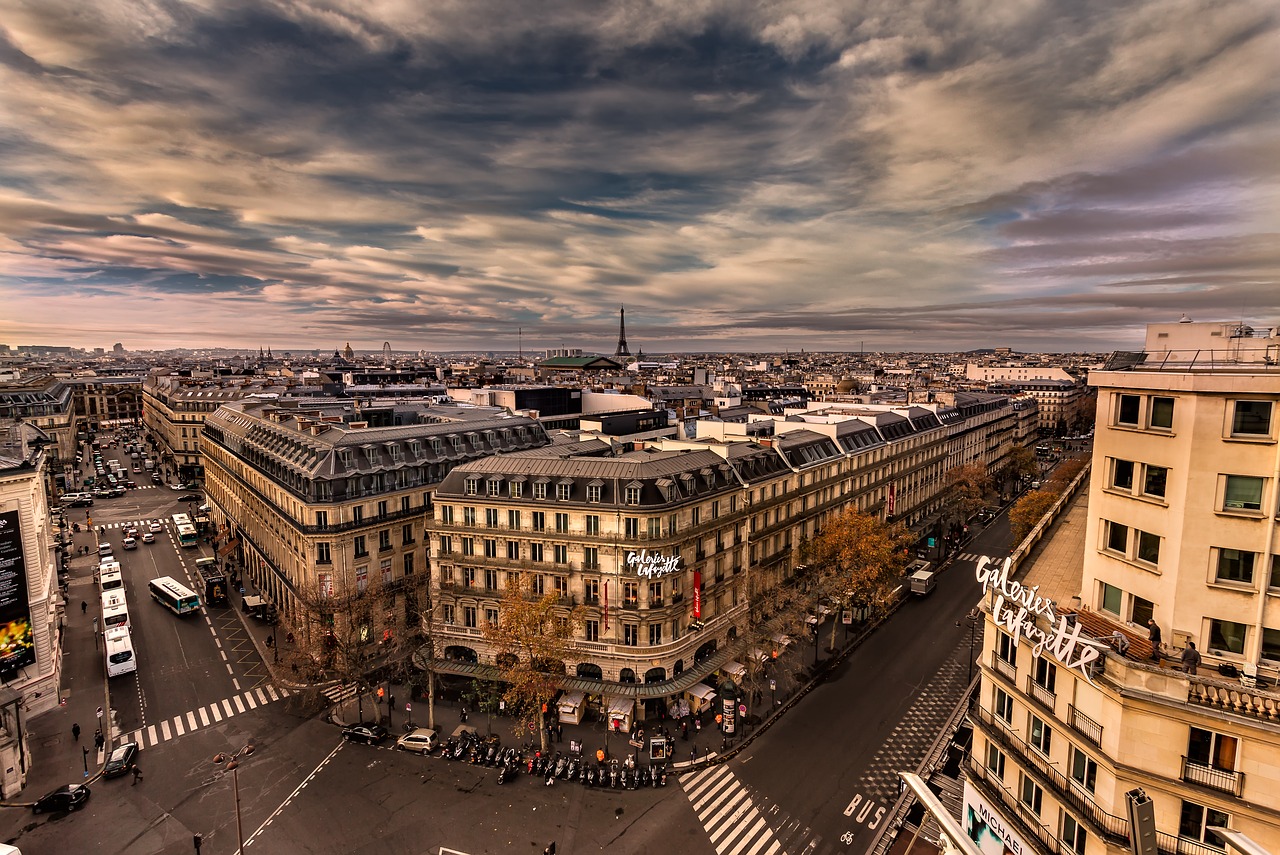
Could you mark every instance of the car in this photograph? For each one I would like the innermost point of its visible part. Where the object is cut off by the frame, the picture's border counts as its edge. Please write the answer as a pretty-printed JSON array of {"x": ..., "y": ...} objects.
[
  {"x": 155, "y": 478},
  {"x": 68, "y": 797},
  {"x": 421, "y": 740},
  {"x": 116, "y": 492},
  {"x": 131, "y": 532},
  {"x": 137, "y": 468},
  {"x": 986, "y": 515},
  {"x": 366, "y": 732},
  {"x": 148, "y": 537},
  {"x": 178, "y": 487},
  {"x": 191, "y": 497},
  {"x": 131, "y": 485},
  {"x": 121, "y": 761},
  {"x": 155, "y": 527},
  {"x": 130, "y": 543},
  {"x": 102, "y": 493}
]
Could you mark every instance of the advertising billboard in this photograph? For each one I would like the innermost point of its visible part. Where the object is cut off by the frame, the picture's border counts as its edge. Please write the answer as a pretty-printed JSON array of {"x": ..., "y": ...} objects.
[
  {"x": 987, "y": 828},
  {"x": 17, "y": 645}
]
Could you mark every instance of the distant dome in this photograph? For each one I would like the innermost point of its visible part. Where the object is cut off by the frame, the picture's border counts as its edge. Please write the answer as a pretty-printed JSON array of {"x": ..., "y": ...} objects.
[{"x": 846, "y": 386}]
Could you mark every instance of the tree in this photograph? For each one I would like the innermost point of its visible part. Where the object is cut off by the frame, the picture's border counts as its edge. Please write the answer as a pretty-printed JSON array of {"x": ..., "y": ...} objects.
[
  {"x": 533, "y": 637},
  {"x": 1027, "y": 512},
  {"x": 966, "y": 493},
  {"x": 859, "y": 559},
  {"x": 1066, "y": 473},
  {"x": 1021, "y": 463}
]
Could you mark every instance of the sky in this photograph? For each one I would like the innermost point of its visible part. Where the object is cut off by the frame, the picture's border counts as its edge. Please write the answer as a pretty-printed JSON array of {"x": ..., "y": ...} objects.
[{"x": 750, "y": 176}]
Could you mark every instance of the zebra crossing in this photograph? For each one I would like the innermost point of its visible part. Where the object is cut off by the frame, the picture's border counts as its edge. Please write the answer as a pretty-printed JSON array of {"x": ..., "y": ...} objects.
[
  {"x": 740, "y": 822},
  {"x": 340, "y": 692},
  {"x": 138, "y": 524},
  {"x": 210, "y": 714}
]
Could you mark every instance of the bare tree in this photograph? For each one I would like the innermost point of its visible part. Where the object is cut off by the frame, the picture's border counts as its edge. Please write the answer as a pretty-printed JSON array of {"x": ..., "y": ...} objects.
[
  {"x": 533, "y": 636},
  {"x": 1027, "y": 512}
]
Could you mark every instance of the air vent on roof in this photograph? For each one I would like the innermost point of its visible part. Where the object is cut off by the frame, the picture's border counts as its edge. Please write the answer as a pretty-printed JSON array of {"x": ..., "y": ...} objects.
[{"x": 354, "y": 425}]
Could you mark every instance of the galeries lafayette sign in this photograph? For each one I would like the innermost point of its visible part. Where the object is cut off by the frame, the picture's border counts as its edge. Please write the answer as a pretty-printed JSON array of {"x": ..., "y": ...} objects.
[
  {"x": 650, "y": 564},
  {"x": 1015, "y": 608}
]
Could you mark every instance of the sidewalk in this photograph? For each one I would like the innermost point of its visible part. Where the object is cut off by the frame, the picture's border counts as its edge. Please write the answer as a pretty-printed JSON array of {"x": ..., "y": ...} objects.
[{"x": 56, "y": 757}]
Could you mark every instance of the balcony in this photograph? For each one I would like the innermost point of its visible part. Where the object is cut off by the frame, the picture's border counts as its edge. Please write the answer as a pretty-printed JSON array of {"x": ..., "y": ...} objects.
[
  {"x": 1083, "y": 725},
  {"x": 1005, "y": 668},
  {"x": 1045, "y": 697},
  {"x": 1222, "y": 780}
]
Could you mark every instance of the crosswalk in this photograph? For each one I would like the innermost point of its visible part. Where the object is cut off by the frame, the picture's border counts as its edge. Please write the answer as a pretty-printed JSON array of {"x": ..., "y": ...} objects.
[
  {"x": 138, "y": 524},
  {"x": 340, "y": 692},
  {"x": 740, "y": 821},
  {"x": 205, "y": 716}
]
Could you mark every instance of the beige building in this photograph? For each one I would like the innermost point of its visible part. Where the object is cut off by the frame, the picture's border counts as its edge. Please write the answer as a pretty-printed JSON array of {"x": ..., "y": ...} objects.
[
  {"x": 317, "y": 498},
  {"x": 1179, "y": 529},
  {"x": 104, "y": 402},
  {"x": 46, "y": 402},
  {"x": 174, "y": 409}
]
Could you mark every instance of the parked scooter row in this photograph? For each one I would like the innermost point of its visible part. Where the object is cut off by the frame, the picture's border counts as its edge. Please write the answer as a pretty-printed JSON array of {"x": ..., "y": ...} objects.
[{"x": 510, "y": 762}]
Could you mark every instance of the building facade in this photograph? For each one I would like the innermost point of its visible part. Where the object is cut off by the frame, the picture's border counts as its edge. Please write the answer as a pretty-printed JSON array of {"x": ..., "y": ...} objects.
[{"x": 1176, "y": 543}]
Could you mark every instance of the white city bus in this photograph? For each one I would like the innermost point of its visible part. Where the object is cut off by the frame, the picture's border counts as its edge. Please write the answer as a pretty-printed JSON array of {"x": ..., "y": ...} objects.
[
  {"x": 121, "y": 658},
  {"x": 116, "y": 615},
  {"x": 109, "y": 576},
  {"x": 174, "y": 596}
]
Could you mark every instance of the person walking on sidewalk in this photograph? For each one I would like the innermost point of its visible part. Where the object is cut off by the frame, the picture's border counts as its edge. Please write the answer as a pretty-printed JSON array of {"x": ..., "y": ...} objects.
[
  {"x": 137, "y": 776},
  {"x": 84, "y": 607},
  {"x": 75, "y": 731},
  {"x": 98, "y": 739}
]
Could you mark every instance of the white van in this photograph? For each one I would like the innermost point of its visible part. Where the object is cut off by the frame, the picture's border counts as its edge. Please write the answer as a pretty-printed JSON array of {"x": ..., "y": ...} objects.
[{"x": 104, "y": 549}]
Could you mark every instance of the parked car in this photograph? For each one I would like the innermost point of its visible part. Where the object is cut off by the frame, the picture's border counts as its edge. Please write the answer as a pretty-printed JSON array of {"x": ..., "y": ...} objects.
[
  {"x": 366, "y": 732},
  {"x": 68, "y": 797},
  {"x": 121, "y": 761},
  {"x": 421, "y": 740},
  {"x": 148, "y": 537},
  {"x": 191, "y": 497}
]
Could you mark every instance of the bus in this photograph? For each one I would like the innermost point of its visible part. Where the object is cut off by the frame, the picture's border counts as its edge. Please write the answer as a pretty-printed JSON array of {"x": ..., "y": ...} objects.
[
  {"x": 111, "y": 580},
  {"x": 187, "y": 535},
  {"x": 215, "y": 581},
  {"x": 115, "y": 615},
  {"x": 174, "y": 596},
  {"x": 181, "y": 519},
  {"x": 119, "y": 652}
]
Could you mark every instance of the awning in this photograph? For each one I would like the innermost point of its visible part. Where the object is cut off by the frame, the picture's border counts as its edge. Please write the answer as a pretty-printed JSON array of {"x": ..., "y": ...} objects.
[
  {"x": 702, "y": 691},
  {"x": 621, "y": 707},
  {"x": 571, "y": 701},
  {"x": 228, "y": 548},
  {"x": 734, "y": 669},
  {"x": 783, "y": 641}
]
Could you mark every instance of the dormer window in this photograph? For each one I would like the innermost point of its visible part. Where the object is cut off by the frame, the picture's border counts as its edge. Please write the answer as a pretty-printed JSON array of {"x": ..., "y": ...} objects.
[
  {"x": 437, "y": 446},
  {"x": 631, "y": 494},
  {"x": 495, "y": 486},
  {"x": 594, "y": 490},
  {"x": 457, "y": 442},
  {"x": 563, "y": 490},
  {"x": 540, "y": 488},
  {"x": 472, "y": 486},
  {"x": 516, "y": 489}
]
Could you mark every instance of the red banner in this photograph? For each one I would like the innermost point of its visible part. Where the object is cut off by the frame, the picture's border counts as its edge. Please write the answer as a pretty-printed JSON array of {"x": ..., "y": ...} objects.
[
  {"x": 697, "y": 595},
  {"x": 891, "y": 500},
  {"x": 605, "y": 610}
]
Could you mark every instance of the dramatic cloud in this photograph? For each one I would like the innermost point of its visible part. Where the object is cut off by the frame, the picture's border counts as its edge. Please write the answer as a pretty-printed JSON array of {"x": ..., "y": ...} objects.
[{"x": 926, "y": 174}]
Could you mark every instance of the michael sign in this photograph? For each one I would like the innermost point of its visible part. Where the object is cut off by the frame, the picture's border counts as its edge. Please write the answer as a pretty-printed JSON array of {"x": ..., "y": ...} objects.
[
  {"x": 650, "y": 565},
  {"x": 1015, "y": 609}
]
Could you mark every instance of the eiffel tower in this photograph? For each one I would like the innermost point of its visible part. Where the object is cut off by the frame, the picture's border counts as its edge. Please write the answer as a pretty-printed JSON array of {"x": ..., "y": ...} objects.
[{"x": 622, "y": 334}]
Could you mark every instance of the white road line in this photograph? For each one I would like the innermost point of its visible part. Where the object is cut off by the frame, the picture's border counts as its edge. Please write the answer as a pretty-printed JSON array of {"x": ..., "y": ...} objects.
[
  {"x": 248, "y": 699},
  {"x": 226, "y": 704},
  {"x": 699, "y": 789},
  {"x": 262, "y": 698},
  {"x": 235, "y": 683},
  {"x": 177, "y": 725},
  {"x": 272, "y": 692},
  {"x": 761, "y": 842},
  {"x": 239, "y": 706},
  {"x": 164, "y": 729},
  {"x": 151, "y": 735},
  {"x": 191, "y": 720},
  {"x": 729, "y": 805},
  {"x": 217, "y": 715},
  {"x": 735, "y": 824},
  {"x": 204, "y": 718},
  {"x": 284, "y": 804}
]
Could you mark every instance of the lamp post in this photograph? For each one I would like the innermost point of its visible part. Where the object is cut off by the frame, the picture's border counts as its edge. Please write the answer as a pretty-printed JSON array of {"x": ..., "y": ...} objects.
[
  {"x": 233, "y": 763},
  {"x": 972, "y": 618}
]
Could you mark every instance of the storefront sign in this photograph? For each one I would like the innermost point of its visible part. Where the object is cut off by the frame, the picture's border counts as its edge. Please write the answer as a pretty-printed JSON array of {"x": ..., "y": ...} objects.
[
  {"x": 987, "y": 828},
  {"x": 17, "y": 643},
  {"x": 650, "y": 565},
  {"x": 1015, "y": 609},
  {"x": 697, "y": 595}
]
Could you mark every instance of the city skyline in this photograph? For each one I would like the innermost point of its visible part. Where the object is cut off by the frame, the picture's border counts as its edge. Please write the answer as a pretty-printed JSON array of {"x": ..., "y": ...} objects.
[{"x": 485, "y": 177}]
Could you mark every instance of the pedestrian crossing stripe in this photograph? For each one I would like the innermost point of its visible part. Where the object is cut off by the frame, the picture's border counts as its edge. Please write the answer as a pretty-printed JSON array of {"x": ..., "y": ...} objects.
[
  {"x": 134, "y": 523},
  {"x": 341, "y": 692},
  {"x": 193, "y": 720},
  {"x": 728, "y": 815}
]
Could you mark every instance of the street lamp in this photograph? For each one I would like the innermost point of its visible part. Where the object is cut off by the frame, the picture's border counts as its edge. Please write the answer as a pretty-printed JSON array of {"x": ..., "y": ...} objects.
[
  {"x": 233, "y": 763},
  {"x": 972, "y": 617}
]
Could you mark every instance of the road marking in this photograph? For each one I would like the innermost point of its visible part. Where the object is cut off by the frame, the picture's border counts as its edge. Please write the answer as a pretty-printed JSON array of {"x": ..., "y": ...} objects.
[
  {"x": 284, "y": 804},
  {"x": 735, "y": 825},
  {"x": 193, "y": 720},
  {"x": 235, "y": 683}
]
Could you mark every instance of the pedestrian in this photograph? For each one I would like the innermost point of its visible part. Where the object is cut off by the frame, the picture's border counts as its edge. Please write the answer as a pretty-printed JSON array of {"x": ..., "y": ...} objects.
[
  {"x": 559, "y": 732},
  {"x": 684, "y": 730},
  {"x": 75, "y": 731},
  {"x": 551, "y": 849},
  {"x": 98, "y": 739},
  {"x": 693, "y": 755},
  {"x": 84, "y": 607},
  {"x": 464, "y": 715},
  {"x": 137, "y": 776},
  {"x": 1153, "y": 629},
  {"x": 697, "y": 725},
  {"x": 1190, "y": 658}
]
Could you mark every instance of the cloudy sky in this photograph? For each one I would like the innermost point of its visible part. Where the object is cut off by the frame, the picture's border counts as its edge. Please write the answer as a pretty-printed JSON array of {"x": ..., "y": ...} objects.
[{"x": 894, "y": 174}]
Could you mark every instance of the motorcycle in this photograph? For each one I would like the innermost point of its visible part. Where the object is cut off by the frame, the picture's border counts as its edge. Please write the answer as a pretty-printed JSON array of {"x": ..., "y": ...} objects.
[
  {"x": 504, "y": 772},
  {"x": 533, "y": 763},
  {"x": 614, "y": 775},
  {"x": 660, "y": 776}
]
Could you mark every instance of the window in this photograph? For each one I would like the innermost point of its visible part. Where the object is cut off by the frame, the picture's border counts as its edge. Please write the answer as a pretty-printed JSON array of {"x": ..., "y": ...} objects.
[
  {"x": 1215, "y": 750},
  {"x": 995, "y": 760},
  {"x": 1226, "y": 636},
  {"x": 1195, "y": 820},
  {"x": 357, "y": 514},
  {"x": 632, "y": 525},
  {"x": 469, "y": 616},
  {"x": 655, "y": 595},
  {"x": 539, "y": 521},
  {"x": 1275, "y": 572},
  {"x": 1235, "y": 565},
  {"x": 1030, "y": 794},
  {"x": 593, "y": 492},
  {"x": 1127, "y": 409},
  {"x": 655, "y": 527},
  {"x": 384, "y": 539},
  {"x": 590, "y": 558},
  {"x": 1251, "y": 418},
  {"x": 446, "y": 544},
  {"x": 469, "y": 577},
  {"x": 1162, "y": 413},
  {"x": 562, "y": 491},
  {"x": 446, "y": 514},
  {"x": 562, "y": 523},
  {"x": 1002, "y": 704},
  {"x": 323, "y": 555},
  {"x": 1141, "y": 611},
  {"x": 491, "y": 517},
  {"x": 1271, "y": 644},
  {"x": 631, "y": 634},
  {"x": 469, "y": 517},
  {"x": 491, "y": 617},
  {"x": 535, "y": 552},
  {"x": 322, "y": 519},
  {"x": 560, "y": 584},
  {"x": 1074, "y": 837},
  {"x": 406, "y": 534},
  {"x": 1122, "y": 474},
  {"x": 1111, "y": 599},
  {"x": 446, "y": 612},
  {"x": 1084, "y": 769},
  {"x": 362, "y": 577},
  {"x": 495, "y": 487},
  {"x": 490, "y": 579},
  {"x": 1045, "y": 674},
  {"x": 408, "y": 564},
  {"x": 382, "y": 508},
  {"x": 593, "y": 524},
  {"x": 539, "y": 489},
  {"x": 630, "y": 593},
  {"x": 360, "y": 548},
  {"x": 513, "y": 520},
  {"x": 1041, "y": 735},
  {"x": 385, "y": 566},
  {"x": 591, "y": 630},
  {"x": 561, "y": 553},
  {"x": 537, "y": 584},
  {"x": 490, "y": 548},
  {"x": 631, "y": 495},
  {"x": 468, "y": 546},
  {"x": 1154, "y": 481},
  {"x": 1242, "y": 493},
  {"x": 1117, "y": 537},
  {"x": 1148, "y": 547},
  {"x": 513, "y": 550},
  {"x": 471, "y": 486},
  {"x": 655, "y": 634},
  {"x": 1007, "y": 648},
  {"x": 591, "y": 590},
  {"x": 404, "y": 504}
]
